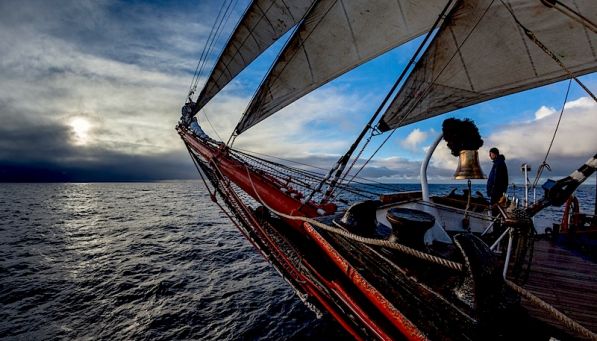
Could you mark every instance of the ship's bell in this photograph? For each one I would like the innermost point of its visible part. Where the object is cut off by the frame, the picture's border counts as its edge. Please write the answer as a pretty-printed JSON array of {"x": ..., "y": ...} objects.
[{"x": 468, "y": 166}]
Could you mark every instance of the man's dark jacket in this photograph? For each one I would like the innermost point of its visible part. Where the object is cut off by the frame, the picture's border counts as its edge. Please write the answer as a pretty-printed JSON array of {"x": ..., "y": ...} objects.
[{"x": 497, "y": 182}]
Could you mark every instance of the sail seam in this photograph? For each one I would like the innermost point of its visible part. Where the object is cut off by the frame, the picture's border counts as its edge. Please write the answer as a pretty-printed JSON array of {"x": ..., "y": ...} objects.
[
  {"x": 399, "y": 4},
  {"x": 589, "y": 42},
  {"x": 527, "y": 49},
  {"x": 458, "y": 50},
  {"x": 354, "y": 40}
]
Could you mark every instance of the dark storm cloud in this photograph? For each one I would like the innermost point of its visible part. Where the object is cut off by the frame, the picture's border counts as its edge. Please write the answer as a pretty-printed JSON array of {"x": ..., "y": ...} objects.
[
  {"x": 44, "y": 152},
  {"x": 119, "y": 65},
  {"x": 131, "y": 32}
]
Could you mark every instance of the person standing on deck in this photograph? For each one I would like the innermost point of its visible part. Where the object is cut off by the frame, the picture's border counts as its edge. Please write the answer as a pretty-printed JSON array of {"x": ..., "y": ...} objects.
[{"x": 497, "y": 182}]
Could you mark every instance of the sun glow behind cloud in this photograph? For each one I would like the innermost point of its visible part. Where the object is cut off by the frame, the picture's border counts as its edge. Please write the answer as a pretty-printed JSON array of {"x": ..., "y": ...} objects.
[{"x": 80, "y": 127}]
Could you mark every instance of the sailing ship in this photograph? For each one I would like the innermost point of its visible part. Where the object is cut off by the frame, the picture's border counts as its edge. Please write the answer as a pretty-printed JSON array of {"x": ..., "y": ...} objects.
[{"x": 403, "y": 264}]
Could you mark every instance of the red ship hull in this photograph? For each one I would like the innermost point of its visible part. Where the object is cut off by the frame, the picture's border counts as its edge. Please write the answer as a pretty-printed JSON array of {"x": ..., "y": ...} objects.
[{"x": 322, "y": 284}]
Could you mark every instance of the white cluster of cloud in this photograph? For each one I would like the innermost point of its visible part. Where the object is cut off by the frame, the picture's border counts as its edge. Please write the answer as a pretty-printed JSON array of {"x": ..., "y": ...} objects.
[
  {"x": 544, "y": 112},
  {"x": 321, "y": 123},
  {"x": 528, "y": 142},
  {"x": 414, "y": 139}
]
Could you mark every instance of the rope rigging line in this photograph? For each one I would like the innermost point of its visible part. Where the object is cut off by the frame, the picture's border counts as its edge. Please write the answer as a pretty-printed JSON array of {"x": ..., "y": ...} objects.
[
  {"x": 203, "y": 55},
  {"x": 212, "y": 127},
  {"x": 567, "y": 321},
  {"x": 354, "y": 161},
  {"x": 341, "y": 163},
  {"x": 371, "y": 241},
  {"x": 370, "y": 157},
  {"x": 275, "y": 169},
  {"x": 371, "y": 183},
  {"x": 219, "y": 30},
  {"x": 213, "y": 195},
  {"x": 544, "y": 163}
]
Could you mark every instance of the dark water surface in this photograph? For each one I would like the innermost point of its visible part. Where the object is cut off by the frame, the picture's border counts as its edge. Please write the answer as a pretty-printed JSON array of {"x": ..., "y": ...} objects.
[{"x": 143, "y": 261}]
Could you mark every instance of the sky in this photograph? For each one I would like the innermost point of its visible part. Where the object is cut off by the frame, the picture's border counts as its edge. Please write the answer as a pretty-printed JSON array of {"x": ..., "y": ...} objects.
[{"x": 90, "y": 90}]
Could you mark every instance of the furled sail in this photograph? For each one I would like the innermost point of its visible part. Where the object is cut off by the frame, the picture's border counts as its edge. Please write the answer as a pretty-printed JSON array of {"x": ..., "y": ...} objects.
[
  {"x": 336, "y": 36},
  {"x": 482, "y": 52},
  {"x": 263, "y": 23}
]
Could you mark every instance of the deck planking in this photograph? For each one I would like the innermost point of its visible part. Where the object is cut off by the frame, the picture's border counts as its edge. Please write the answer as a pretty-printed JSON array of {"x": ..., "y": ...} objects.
[{"x": 565, "y": 280}]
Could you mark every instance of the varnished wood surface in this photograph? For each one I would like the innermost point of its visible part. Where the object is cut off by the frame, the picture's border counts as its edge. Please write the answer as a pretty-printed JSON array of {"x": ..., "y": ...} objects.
[{"x": 565, "y": 280}]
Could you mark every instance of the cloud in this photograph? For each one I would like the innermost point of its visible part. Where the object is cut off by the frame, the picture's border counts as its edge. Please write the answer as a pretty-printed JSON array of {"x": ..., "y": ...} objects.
[
  {"x": 323, "y": 122},
  {"x": 544, "y": 112},
  {"x": 124, "y": 68},
  {"x": 528, "y": 142},
  {"x": 45, "y": 153},
  {"x": 414, "y": 139}
]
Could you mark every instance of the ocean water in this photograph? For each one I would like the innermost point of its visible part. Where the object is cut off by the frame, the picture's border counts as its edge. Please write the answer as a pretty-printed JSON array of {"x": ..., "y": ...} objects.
[{"x": 144, "y": 261}]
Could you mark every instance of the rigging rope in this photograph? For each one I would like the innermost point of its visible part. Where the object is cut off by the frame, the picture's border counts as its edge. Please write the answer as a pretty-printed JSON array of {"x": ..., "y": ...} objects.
[
  {"x": 371, "y": 241},
  {"x": 219, "y": 31},
  {"x": 544, "y": 163},
  {"x": 341, "y": 163},
  {"x": 212, "y": 127},
  {"x": 213, "y": 195},
  {"x": 370, "y": 183},
  {"x": 568, "y": 322},
  {"x": 308, "y": 175},
  {"x": 203, "y": 55},
  {"x": 371, "y": 157}
]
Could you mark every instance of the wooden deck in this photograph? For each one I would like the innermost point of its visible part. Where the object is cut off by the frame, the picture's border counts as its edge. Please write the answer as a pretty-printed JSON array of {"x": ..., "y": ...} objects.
[{"x": 566, "y": 281}]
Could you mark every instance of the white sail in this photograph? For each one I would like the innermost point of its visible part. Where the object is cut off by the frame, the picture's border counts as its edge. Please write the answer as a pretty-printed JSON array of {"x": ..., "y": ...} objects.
[
  {"x": 336, "y": 36},
  {"x": 263, "y": 23},
  {"x": 481, "y": 53}
]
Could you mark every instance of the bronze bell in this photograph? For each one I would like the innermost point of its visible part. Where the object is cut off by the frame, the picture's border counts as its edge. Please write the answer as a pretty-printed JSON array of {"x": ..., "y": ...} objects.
[{"x": 468, "y": 166}]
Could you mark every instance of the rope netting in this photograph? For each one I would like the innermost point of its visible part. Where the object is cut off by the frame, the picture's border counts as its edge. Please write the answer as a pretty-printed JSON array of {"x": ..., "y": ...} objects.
[{"x": 301, "y": 182}]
